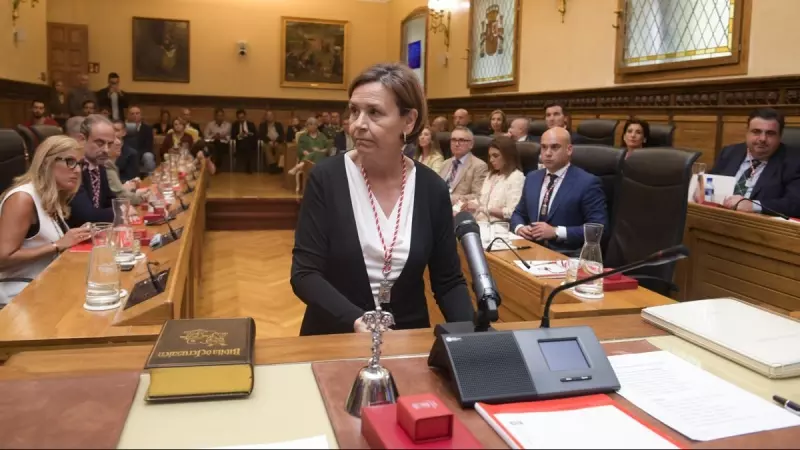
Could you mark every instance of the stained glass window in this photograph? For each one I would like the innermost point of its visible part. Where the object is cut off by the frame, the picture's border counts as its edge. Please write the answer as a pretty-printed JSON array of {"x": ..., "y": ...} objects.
[{"x": 669, "y": 31}]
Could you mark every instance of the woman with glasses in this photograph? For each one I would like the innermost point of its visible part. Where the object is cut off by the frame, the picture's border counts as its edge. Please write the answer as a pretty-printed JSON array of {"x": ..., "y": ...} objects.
[{"x": 33, "y": 213}]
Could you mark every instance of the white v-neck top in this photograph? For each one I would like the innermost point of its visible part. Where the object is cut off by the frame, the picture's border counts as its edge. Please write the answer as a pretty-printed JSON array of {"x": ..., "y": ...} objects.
[{"x": 368, "y": 236}]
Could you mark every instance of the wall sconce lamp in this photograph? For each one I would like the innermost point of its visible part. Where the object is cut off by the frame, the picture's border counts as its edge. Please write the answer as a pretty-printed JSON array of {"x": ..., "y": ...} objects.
[
  {"x": 15, "y": 9},
  {"x": 439, "y": 13},
  {"x": 562, "y": 8}
]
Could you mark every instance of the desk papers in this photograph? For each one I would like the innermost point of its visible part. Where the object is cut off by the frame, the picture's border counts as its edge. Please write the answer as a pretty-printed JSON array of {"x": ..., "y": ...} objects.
[
  {"x": 545, "y": 269},
  {"x": 693, "y": 402}
]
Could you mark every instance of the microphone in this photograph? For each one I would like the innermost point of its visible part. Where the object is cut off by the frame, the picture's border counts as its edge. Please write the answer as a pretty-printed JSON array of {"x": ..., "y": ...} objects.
[
  {"x": 166, "y": 221},
  {"x": 468, "y": 233},
  {"x": 656, "y": 259},
  {"x": 764, "y": 208},
  {"x": 184, "y": 206},
  {"x": 489, "y": 248},
  {"x": 153, "y": 279}
]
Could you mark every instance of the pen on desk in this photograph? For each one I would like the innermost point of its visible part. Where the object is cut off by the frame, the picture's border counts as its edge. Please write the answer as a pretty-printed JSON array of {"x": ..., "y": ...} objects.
[
  {"x": 788, "y": 404},
  {"x": 525, "y": 247}
]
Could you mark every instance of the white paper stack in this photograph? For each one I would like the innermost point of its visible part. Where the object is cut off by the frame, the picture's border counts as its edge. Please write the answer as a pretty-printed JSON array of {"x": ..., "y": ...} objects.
[
  {"x": 545, "y": 269},
  {"x": 758, "y": 339}
]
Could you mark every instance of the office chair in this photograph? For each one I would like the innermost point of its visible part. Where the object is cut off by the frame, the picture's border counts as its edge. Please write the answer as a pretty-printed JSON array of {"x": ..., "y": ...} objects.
[
  {"x": 480, "y": 147},
  {"x": 43, "y": 132},
  {"x": 29, "y": 140},
  {"x": 791, "y": 138},
  {"x": 444, "y": 143},
  {"x": 660, "y": 135},
  {"x": 528, "y": 156},
  {"x": 603, "y": 162},
  {"x": 537, "y": 128},
  {"x": 597, "y": 131},
  {"x": 12, "y": 157},
  {"x": 650, "y": 212}
]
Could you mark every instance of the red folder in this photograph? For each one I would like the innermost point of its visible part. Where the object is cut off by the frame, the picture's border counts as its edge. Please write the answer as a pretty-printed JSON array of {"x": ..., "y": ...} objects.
[
  {"x": 83, "y": 247},
  {"x": 619, "y": 282},
  {"x": 381, "y": 430}
]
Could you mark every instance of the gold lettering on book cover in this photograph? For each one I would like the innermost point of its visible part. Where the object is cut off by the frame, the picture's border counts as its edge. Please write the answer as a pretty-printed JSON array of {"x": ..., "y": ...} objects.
[{"x": 208, "y": 338}]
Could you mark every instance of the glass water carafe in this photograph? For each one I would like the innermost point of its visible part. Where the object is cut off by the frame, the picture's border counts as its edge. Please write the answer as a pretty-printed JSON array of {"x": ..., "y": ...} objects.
[
  {"x": 123, "y": 231},
  {"x": 591, "y": 262},
  {"x": 102, "y": 277}
]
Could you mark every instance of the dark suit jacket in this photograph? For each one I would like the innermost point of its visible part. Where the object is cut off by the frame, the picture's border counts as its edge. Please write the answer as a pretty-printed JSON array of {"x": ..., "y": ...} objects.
[
  {"x": 247, "y": 143},
  {"x": 104, "y": 101},
  {"x": 262, "y": 132},
  {"x": 83, "y": 209},
  {"x": 328, "y": 270},
  {"x": 778, "y": 186},
  {"x": 579, "y": 200},
  {"x": 141, "y": 141},
  {"x": 128, "y": 164}
]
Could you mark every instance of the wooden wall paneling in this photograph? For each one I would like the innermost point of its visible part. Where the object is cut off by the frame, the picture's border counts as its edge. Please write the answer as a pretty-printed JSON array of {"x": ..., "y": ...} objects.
[
  {"x": 13, "y": 112},
  {"x": 697, "y": 133},
  {"x": 734, "y": 129}
]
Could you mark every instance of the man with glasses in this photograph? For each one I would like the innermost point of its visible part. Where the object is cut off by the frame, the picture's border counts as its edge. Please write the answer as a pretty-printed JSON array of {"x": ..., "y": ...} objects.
[
  {"x": 767, "y": 173},
  {"x": 463, "y": 172},
  {"x": 92, "y": 202}
]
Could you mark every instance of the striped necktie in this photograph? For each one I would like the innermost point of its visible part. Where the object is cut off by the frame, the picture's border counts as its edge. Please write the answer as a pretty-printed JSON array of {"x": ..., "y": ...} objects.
[
  {"x": 741, "y": 184},
  {"x": 453, "y": 173},
  {"x": 544, "y": 209}
]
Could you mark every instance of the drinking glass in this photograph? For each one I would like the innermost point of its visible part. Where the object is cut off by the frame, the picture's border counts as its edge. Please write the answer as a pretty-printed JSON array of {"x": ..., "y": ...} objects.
[
  {"x": 486, "y": 233},
  {"x": 123, "y": 231},
  {"x": 572, "y": 270},
  {"x": 698, "y": 168},
  {"x": 500, "y": 230},
  {"x": 591, "y": 262},
  {"x": 102, "y": 277}
]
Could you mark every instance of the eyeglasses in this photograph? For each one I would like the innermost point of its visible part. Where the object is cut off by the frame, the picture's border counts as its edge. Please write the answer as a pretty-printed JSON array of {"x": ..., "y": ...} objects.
[
  {"x": 458, "y": 141},
  {"x": 70, "y": 162}
]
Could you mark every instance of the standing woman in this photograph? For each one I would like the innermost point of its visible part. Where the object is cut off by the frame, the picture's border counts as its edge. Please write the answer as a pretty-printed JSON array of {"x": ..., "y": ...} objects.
[
  {"x": 428, "y": 151},
  {"x": 33, "y": 213},
  {"x": 360, "y": 210},
  {"x": 502, "y": 189},
  {"x": 497, "y": 122}
]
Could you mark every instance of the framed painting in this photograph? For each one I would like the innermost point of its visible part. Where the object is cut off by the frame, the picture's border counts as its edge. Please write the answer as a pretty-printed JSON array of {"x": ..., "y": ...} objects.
[
  {"x": 314, "y": 53},
  {"x": 160, "y": 50},
  {"x": 494, "y": 43}
]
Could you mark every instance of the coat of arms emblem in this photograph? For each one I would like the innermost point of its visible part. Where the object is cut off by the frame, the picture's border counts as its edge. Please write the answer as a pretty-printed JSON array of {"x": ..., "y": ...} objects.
[{"x": 492, "y": 38}]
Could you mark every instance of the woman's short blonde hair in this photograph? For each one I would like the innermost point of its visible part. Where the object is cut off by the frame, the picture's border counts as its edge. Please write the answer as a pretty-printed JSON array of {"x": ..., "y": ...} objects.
[
  {"x": 40, "y": 173},
  {"x": 311, "y": 121}
]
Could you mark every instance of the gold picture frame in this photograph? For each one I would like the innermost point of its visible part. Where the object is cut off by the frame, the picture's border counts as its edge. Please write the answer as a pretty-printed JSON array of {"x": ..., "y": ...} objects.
[
  {"x": 314, "y": 53},
  {"x": 491, "y": 37}
]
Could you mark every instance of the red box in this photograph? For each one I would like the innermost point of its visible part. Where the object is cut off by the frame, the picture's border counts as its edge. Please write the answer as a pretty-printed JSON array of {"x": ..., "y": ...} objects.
[
  {"x": 380, "y": 429},
  {"x": 424, "y": 418},
  {"x": 619, "y": 282}
]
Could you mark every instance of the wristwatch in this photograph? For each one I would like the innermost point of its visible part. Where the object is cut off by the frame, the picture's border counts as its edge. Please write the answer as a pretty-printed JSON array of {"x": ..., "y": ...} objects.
[{"x": 55, "y": 246}]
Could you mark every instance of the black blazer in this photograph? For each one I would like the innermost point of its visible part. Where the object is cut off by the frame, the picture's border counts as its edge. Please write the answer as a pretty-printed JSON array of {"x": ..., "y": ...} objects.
[
  {"x": 142, "y": 141},
  {"x": 778, "y": 186},
  {"x": 262, "y": 132},
  {"x": 104, "y": 101},
  {"x": 83, "y": 209},
  {"x": 328, "y": 270},
  {"x": 251, "y": 128}
]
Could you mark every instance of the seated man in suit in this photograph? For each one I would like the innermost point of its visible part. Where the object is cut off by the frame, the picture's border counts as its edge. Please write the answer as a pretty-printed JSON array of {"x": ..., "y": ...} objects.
[
  {"x": 518, "y": 130},
  {"x": 141, "y": 139},
  {"x": 555, "y": 115},
  {"x": 764, "y": 170},
  {"x": 244, "y": 132},
  {"x": 92, "y": 202},
  {"x": 343, "y": 141},
  {"x": 463, "y": 172},
  {"x": 559, "y": 199},
  {"x": 270, "y": 131}
]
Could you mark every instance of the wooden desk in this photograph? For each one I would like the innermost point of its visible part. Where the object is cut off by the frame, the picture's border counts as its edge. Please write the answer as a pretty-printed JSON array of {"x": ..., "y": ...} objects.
[
  {"x": 751, "y": 257},
  {"x": 293, "y": 349},
  {"x": 49, "y": 311},
  {"x": 523, "y": 295}
]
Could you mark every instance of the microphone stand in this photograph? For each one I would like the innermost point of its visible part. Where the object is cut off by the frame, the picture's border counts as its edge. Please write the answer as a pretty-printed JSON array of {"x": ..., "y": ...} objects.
[
  {"x": 184, "y": 206},
  {"x": 153, "y": 279},
  {"x": 756, "y": 202},
  {"x": 166, "y": 221},
  {"x": 662, "y": 257},
  {"x": 521, "y": 259}
]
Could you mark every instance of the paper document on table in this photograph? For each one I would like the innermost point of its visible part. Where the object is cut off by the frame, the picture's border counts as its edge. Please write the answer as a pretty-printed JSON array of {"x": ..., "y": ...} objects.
[
  {"x": 600, "y": 427},
  {"x": 316, "y": 442},
  {"x": 693, "y": 402},
  {"x": 545, "y": 269},
  {"x": 723, "y": 186}
]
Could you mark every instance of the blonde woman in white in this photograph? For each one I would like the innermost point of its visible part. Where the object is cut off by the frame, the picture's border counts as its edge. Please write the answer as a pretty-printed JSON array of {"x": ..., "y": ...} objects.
[
  {"x": 33, "y": 213},
  {"x": 428, "y": 151},
  {"x": 502, "y": 188}
]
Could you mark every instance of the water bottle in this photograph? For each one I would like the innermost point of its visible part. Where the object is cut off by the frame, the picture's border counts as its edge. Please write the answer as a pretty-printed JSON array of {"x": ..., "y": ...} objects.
[
  {"x": 102, "y": 276},
  {"x": 709, "y": 191},
  {"x": 591, "y": 262},
  {"x": 123, "y": 232}
]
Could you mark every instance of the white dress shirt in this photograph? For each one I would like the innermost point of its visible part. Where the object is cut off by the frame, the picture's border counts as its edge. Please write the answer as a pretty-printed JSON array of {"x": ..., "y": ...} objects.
[
  {"x": 367, "y": 231},
  {"x": 561, "y": 231}
]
